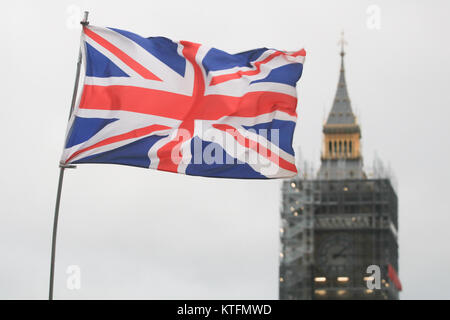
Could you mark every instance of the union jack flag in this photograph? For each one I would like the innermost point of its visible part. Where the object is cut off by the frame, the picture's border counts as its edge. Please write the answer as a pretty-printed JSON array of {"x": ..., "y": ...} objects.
[{"x": 184, "y": 107}]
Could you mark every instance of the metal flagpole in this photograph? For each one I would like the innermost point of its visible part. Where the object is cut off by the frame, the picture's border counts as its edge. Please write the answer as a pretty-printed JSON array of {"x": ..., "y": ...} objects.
[{"x": 62, "y": 167}]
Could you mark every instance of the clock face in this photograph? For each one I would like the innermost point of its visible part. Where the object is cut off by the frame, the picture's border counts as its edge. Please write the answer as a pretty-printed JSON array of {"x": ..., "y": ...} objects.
[{"x": 335, "y": 252}]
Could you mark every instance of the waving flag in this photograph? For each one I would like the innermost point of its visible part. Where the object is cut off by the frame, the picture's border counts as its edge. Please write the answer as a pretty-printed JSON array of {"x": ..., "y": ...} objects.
[{"x": 184, "y": 107}]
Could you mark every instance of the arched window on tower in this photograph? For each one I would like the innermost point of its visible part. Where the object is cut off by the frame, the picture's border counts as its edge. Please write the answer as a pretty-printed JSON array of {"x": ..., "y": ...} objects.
[
  {"x": 340, "y": 147},
  {"x": 350, "y": 147},
  {"x": 345, "y": 147},
  {"x": 330, "y": 147},
  {"x": 335, "y": 148}
]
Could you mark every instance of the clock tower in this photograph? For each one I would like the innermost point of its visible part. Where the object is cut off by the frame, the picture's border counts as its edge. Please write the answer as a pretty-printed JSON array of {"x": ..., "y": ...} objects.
[{"x": 339, "y": 226}]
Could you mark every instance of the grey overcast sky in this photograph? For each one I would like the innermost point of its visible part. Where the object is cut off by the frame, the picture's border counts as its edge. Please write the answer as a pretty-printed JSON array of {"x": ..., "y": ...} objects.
[{"x": 139, "y": 233}]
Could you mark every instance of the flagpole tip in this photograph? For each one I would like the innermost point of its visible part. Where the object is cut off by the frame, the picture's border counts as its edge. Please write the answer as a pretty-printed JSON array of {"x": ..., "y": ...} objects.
[{"x": 85, "y": 21}]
